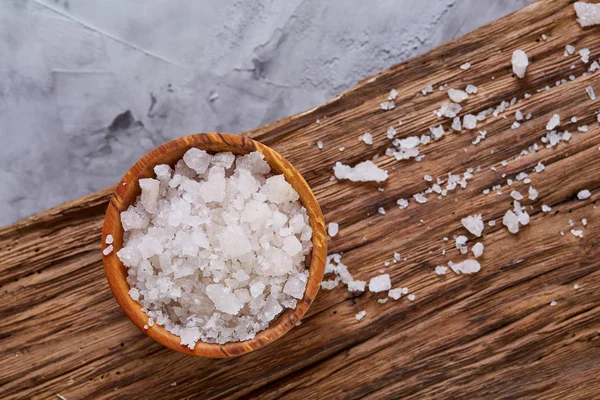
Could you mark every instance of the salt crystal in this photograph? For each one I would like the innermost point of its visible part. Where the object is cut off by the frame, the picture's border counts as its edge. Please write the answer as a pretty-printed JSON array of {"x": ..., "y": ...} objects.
[
  {"x": 546, "y": 208},
  {"x": 402, "y": 203},
  {"x": 437, "y": 132},
  {"x": 533, "y": 194},
  {"x": 109, "y": 239},
  {"x": 395, "y": 293},
  {"x": 590, "y": 91},
  {"x": 456, "y": 124},
  {"x": 544, "y": 37},
  {"x": 553, "y": 303},
  {"x": 387, "y": 105},
  {"x": 469, "y": 121},
  {"x": 465, "y": 267},
  {"x": 569, "y": 49},
  {"x": 380, "y": 283},
  {"x": 107, "y": 250},
  {"x": 519, "y": 63},
  {"x": 356, "y": 286},
  {"x": 382, "y": 301},
  {"x": 516, "y": 195},
  {"x": 393, "y": 94},
  {"x": 367, "y": 138},
  {"x": 440, "y": 270},
  {"x": 553, "y": 123},
  {"x": 360, "y": 315},
  {"x": 362, "y": 172},
  {"x": 197, "y": 159},
  {"x": 150, "y": 190},
  {"x": 587, "y": 13},
  {"x": 342, "y": 148},
  {"x": 585, "y": 55},
  {"x": 577, "y": 232},
  {"x": 576, "y": 286},
  {"x": 411, "y": 297},
  {"x": 320, "y": 144},
  {"x": 471, "y": 89},
  {"x": 492, "y": 223},
  {"x": 420, "y": 198},
  {"x": 477, "y": 249},
  {"x": 427, "y": 90},
  {"x": 473, "y": 224},
  {"x": 582, "y": 128},
  {"x": 465, "y": 66},
  {"x": 381, "y": 210},
  {"x": 584, "y": 194},
  {"x": 457, "y": 95},
  {"x": 518, "y": 115},
  {"x": 332, "y": 229},
  {"x": 584, "y": 221},
  {"x": 511, "y": 221},
  {"x": 515, "y": 125},
  {"x": 460, "y": 243},
  {"x": 539, "y": 168}
]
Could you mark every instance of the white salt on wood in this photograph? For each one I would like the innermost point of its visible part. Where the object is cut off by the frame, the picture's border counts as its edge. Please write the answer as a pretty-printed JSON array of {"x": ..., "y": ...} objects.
[
  {"x": 477, "y": 249},
  {"x": 588, "y": 14},
  {"x": 332, "y": 229},
  {"x": 363, "y": 172},
  {"x": 457, "y": 95},
  {"x": 553, "y": 123},
  {"x": 583, "y": 194},
  {"x": 107, "y": 250},
  {"x": 360, "y": 315},
  {"x": 519, "y": 63},
  {"x": 473, "y": 224},
  {"x": 465, "y": 267},
  {"x": 380, "y": 283},
  {"x": 109, "y": 239}
]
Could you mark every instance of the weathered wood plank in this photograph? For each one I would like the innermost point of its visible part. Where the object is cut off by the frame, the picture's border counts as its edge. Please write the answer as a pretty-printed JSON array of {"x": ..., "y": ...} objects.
[{"x": 490, "y": 335}]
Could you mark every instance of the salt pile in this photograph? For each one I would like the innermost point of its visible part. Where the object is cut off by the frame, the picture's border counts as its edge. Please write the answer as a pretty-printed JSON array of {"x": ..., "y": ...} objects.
[
  {"x": 519, "y": 63},
  {"x": 587, "y": 14},
  {"x": 215, "y": 248}
]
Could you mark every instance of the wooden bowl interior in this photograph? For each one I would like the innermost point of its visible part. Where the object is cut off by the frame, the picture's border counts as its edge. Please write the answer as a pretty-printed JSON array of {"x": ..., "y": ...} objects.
[{"x": 169, "y": 153}]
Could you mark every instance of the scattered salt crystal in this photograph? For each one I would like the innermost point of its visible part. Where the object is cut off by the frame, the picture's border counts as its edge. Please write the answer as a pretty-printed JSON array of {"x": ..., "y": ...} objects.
[
  {"x": 402, "y": 203},
  {"x": 584, "y": 221},
  {"x": 428, "y": 89},
  {"x": 457, "y": 95},
  {"x": 107, "y": 250},
  {"x": 393, "y": 94},
  {"x": 477, "y": 249},
  {"x": 518, "y": 115},
  {"x": 471, "y": 89},
  {"x": 582, "y": 128},
  {"x": 342, "y": 148},
  {"x": 492, "y": 223},
  {"x": 584, "y": 194},
  {"x": 473, "y": 224},
  {"x": 546, "y": 208},
  {"x": 320, "y": 144},
  {"x": 391, "y": 133},
  {"x": 197, "y": 159},
  {"x": 332, "y": 229},
  {"x": 449, "y": 110},
  {"x": 61, "y": 397},
  {"x": 363, "y": 172},
  {"x": 420, "y": 198},
  {"x": 519, "y": 63},
  {"x": 465, "y": 267},
  {"x": 356, "y": 286},
  {"x": 440, "y": 270},
  {"x": 590, "y": 91},
  {"x": 395, "y": 293},
  {"x": 380, "y": 283},
  {"x": 175, "y": 383},
  {"x": 571, "y": 223},
  {"x": 367, "y": 138},
  {"x": 587, "y": 13},
  {"x": 585, "y": 55},
  {"x": 382, "y": 301},
  {"x": 411, "y": 297},
  {"x": 553, "y": 303},
  {"x": 577, "y": 232},
  {"x": 465, "y": 66},
  {"x": 569, "y": 49},
  {"x": 360, "y": 315},
  {"x": 516, "y": 195},
  {"x": 553, "y": 123},
  {"x": 544, "y": 37},
  {"x": 456, "y": 124},
  {"x": 109, "y": 239},
  {"x": 460, "y": 243},
  {"x": 539, "y": 168},
  {"x": 515, "y": 125},
  {"x": 533, "y": 194},
  {"x": 387, "y": 105},
  {"x": 437, "y": 132},
  {"x": 575, "y": 286},
  {"x": 469, "y": 121},
  {"x": 381, "y": 210}
]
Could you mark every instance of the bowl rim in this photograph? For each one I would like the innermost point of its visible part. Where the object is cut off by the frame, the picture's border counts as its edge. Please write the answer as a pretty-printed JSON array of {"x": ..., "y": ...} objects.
[{"x": 127, "y": 191}]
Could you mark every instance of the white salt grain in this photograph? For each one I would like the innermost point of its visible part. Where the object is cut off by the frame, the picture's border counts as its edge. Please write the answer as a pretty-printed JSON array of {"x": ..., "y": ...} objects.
[
  {"x": 109, "y": 239},
  {"x": 402, "y": 203},
  {"x": 546, "y": 208},
  {"x": 469, "y": 121},
  {"x": 585, "y": 55},
  {"x": 465, "y": 267},
  {"x": 584, "y": 194},
  {"x": 457, "y": 95},
  {"x": 395, "y": 293},
  {"x": 440, "y": 270},
  {"x": 587, "y": 13},
  {"x": 584, "y": 222},
  {"x": 576, "y": 286},
  {"x": 360, "y": 315},
  {"x": 320, "y": 145},
  {"x": 362, "y": 172},
  {"x": 590, "y": 91},
  {"x": 387, "y": 105},
  {"x": 381, "y": 210},
  {"x": 519, "y": 63},
  {"x": 473, "y": 224},
  {"x": 516, "y": 195},
  {"x": 577, "y": 232},
  {"x": 411, "y": 297},
  {"x": 465, "y": 66},
  {"x": 553, "y": 123},
  {"x": 553, "y": 303},
  {"x": 477, "y": 249},
  {"x": 61, "y": 397},
  {"x": 533, "y": 194},
  {"x": 380, "y": 283},
  {"x": 539, "y": 168},
  {"x": 107, "y": 250},
  {"x": 332, "y": 229},
  {"x": 471, "y": 89},
  {"x": 367, "y": 138}
]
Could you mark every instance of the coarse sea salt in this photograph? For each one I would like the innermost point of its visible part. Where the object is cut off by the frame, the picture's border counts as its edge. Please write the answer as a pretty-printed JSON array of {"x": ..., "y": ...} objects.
[
  {"x": 441, "y": 270},
  {"x": 465, "y": 267},
  {"x": 477, "y": 249},
  {"x": 367, "y": 138},
  {"x": 380, "y": 283},
  {"x": 457, "y": 95},
  {"x": 588, "y": 14},
  {"x": 473, "y": 224},
  {"x": 215, "y": 247},
  {"x": 333, "y": 229},
  {"x": 360, "y": 315},
  {"x": 519, "y": 63},
  {"x": 583, "y": 194},
  {"x": 365, "y": 171}
]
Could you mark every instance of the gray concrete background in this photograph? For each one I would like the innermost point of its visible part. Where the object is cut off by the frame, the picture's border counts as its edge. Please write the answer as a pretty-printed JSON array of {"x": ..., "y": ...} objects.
[{"x": 88, "y": 86}]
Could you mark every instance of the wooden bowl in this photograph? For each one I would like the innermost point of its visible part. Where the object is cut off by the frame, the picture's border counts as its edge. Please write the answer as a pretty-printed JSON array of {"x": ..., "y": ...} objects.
[{"x": 126, "y": 193}]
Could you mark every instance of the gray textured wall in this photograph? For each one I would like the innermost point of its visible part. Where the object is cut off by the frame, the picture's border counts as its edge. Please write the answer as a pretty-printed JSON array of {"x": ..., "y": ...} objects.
[{"x": 88, "y": 86}]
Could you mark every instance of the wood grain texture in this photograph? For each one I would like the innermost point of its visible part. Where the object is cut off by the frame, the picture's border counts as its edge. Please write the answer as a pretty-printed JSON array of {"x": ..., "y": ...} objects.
[
  {"x": 486, "y": 336},
  {"x": 127, "y": 191}
]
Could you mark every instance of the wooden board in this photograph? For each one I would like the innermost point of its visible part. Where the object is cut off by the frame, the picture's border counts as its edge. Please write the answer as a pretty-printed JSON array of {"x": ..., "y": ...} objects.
[{"x": 489, "y": 335}]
